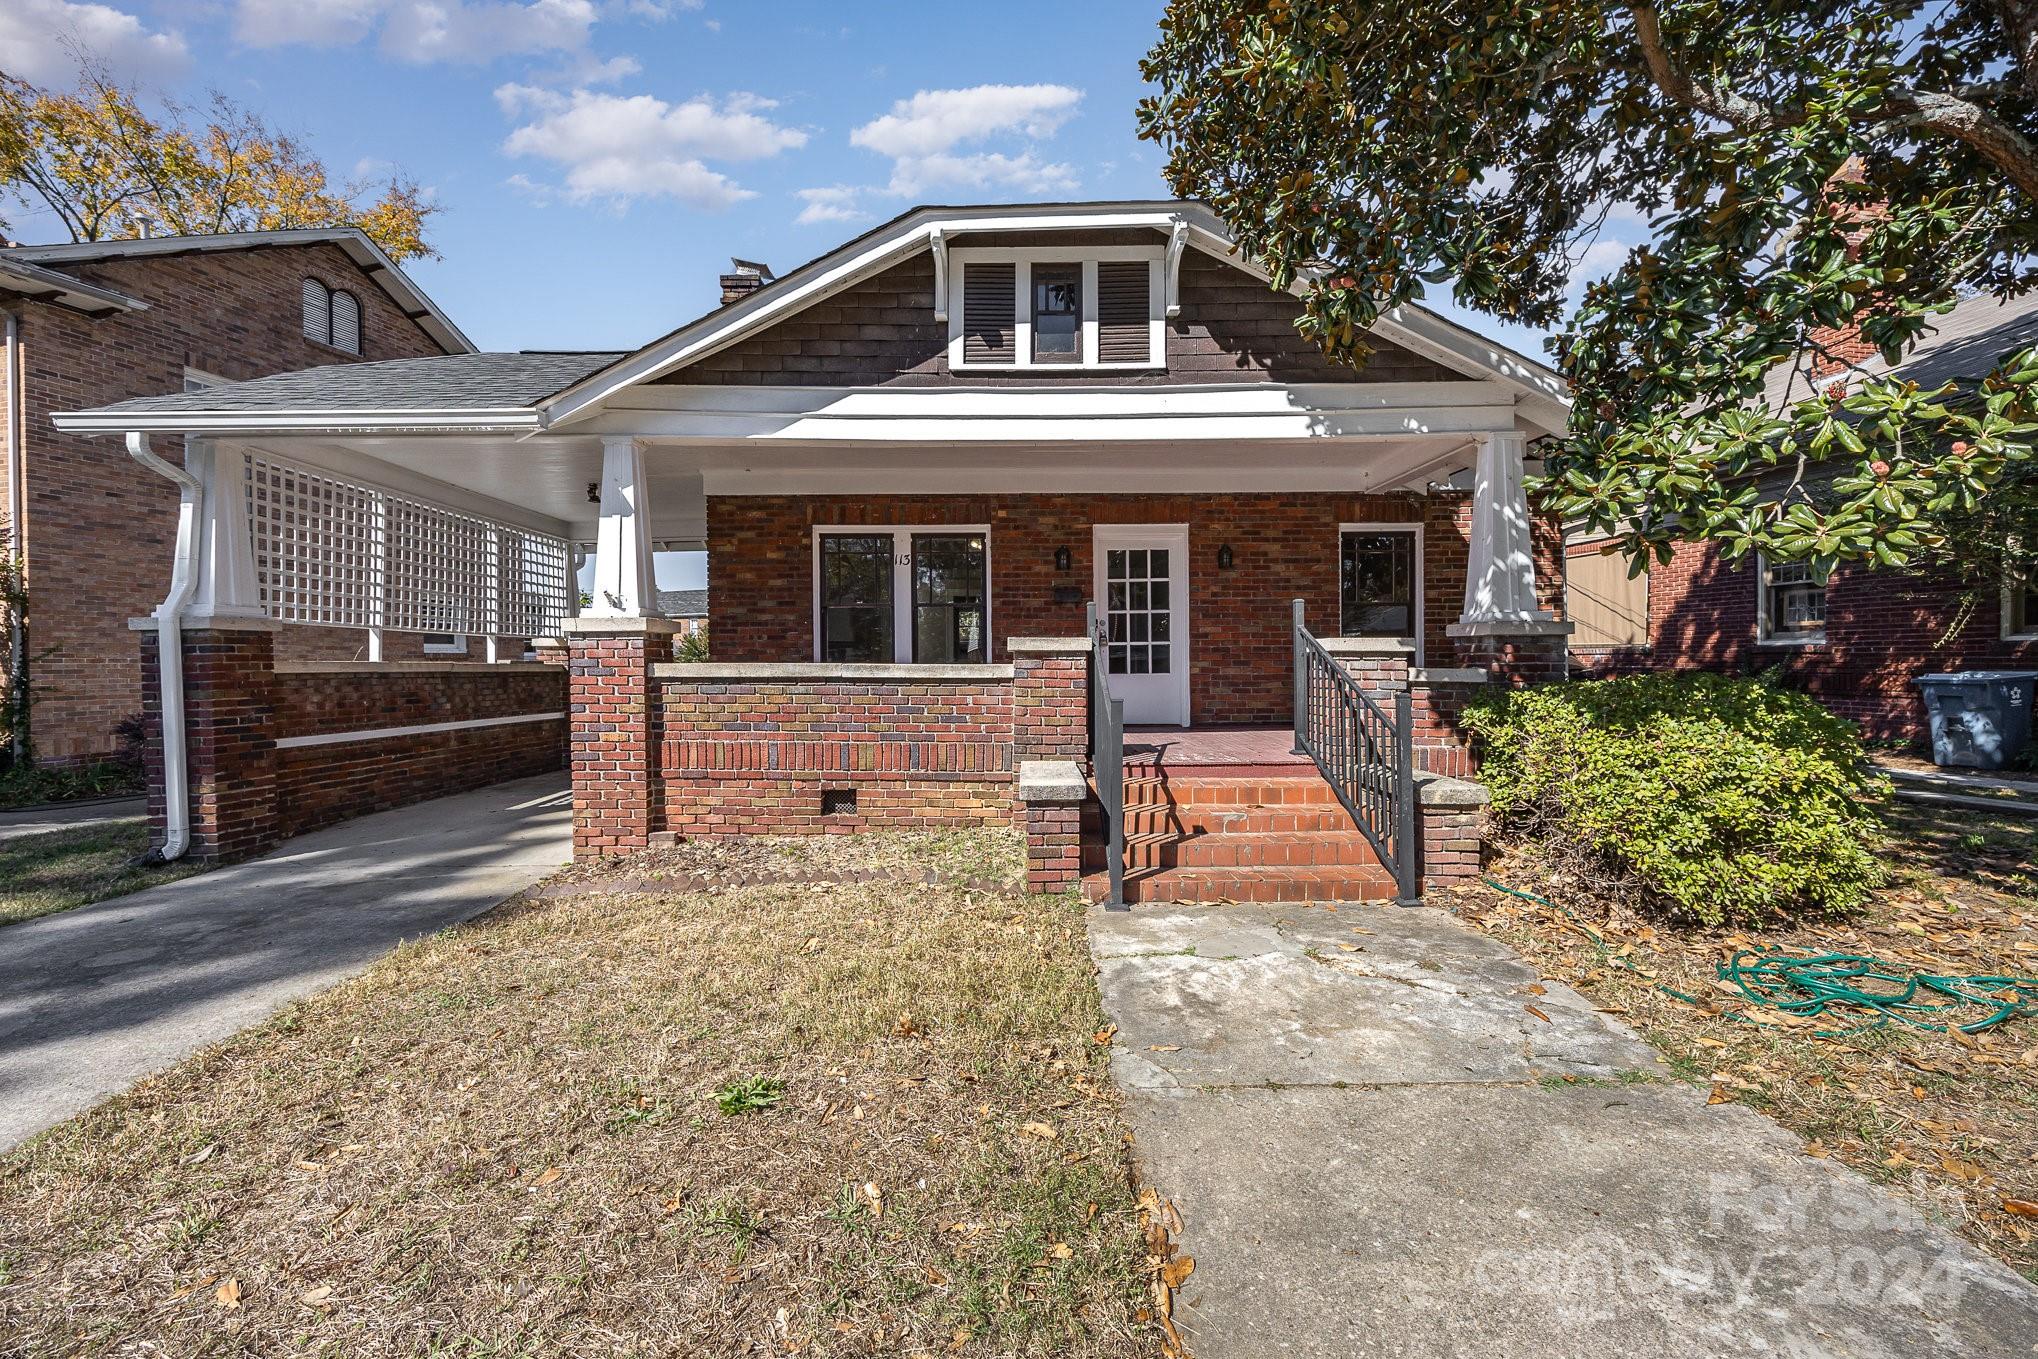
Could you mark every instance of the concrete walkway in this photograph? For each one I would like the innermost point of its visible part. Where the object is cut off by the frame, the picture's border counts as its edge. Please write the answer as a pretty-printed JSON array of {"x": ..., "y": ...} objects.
[
  {"x": 93, "y": 999},
  {"x": 1374, "y": 1152},
  {"x": 71, "y": 816}
]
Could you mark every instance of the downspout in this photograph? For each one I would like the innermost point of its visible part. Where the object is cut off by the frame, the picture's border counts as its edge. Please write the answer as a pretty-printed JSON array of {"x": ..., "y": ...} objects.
[
  {"x": 170, "y": 646},
  {"x": 14, "y": 467}
]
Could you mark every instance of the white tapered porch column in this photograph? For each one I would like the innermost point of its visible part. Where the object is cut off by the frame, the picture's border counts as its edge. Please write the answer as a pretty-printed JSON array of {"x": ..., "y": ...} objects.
[
  {"x": 225, "y": 563},
  {"x": 1501, "y": 626},
  {"x": 624, "y": 584}
]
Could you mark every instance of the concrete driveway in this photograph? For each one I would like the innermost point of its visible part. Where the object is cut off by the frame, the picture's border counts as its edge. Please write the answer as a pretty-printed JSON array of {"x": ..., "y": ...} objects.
[
  {"x": 91, "y": 1000},
  {"x": 1375, "y": 1151}
]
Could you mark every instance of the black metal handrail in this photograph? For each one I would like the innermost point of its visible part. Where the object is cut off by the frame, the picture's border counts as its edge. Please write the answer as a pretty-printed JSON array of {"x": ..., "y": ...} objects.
[
  {"x": 1367, "y": 757},
  {"x": 1107, "y": 763}
]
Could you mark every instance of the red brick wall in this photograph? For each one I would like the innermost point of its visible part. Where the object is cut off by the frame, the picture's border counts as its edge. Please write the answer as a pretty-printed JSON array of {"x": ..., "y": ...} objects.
[
  {"x": 760, "y": 594},
  {"x": 1232, "y": 328},
  {"x": 322, "y": 784},
  {"x": 617, "y": 795},
  {"x": 98, "y": 528},
  {"x": 754, "y": 756},
  {"x": 1883, "y": 629}
]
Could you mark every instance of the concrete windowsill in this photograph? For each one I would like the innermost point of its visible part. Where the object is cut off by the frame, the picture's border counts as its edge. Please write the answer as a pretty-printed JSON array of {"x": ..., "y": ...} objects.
[
  {"x": 1464, "y": 674},
  {"x": 820, "y": 672},
  {"x": 1048, "y": 646},
  {"x": 1052, "y": 781}
]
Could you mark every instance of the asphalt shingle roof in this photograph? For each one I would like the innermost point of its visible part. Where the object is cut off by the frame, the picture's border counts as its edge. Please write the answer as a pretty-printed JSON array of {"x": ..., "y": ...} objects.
[
  {"x": 683, "y": 603},
  {"x": 442, "y": 382}
]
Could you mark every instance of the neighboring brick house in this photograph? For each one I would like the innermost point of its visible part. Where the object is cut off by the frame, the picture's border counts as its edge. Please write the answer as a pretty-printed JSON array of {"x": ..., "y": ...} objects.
[
  {"x": 1857, "y": 640},
  {"x": 95, "y": 323},
  {"x": 917, "y": 464}
]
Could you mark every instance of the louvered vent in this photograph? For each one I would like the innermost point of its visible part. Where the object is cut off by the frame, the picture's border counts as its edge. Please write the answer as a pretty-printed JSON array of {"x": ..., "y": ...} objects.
[
  {"x": 318, "y": 319},
  {"x": 988, "y": 332},
  {"x": 346, "y": 323},
  {"x": 1123, "y": 332}
]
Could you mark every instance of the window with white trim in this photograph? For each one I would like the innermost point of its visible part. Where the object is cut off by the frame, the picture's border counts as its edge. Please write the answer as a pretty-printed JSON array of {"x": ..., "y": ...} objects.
[
  {"x": 914, "y": 594},
  {"x": 332, "y": 316},
  {"x": 1379, "y": 580},
  {"x": 1039, "y": 308},
  {"x": 2020, "y": 611},
  {"x": 1791, "y": 603}
]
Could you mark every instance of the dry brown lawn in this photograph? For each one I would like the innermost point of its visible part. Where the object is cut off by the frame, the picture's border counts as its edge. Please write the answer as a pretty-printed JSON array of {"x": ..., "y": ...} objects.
[
  {"x": 1949, "y": 1120},
  {"x": 818, "y": 1098}
]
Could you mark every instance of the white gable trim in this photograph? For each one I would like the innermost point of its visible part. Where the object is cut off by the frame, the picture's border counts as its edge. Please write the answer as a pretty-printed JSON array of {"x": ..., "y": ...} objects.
[{"x": 1541, "y": 391}]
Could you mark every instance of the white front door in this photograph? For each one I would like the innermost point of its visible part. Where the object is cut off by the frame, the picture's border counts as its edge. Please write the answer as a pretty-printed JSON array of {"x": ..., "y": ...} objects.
[{"x": 1143, "y": 614}]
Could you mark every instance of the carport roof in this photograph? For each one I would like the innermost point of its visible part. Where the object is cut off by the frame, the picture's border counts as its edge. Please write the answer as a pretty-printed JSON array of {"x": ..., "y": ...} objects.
[{"x": 448, "y": 382}]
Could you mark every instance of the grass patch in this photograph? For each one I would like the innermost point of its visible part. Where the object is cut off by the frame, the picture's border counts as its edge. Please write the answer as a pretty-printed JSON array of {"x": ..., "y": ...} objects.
[
  {"x": 1948, "y": 1120},
  {"x": 27, "y": 786},
  {"x": 510, "y": 1138},
  {"x": 46, "y": 873}
]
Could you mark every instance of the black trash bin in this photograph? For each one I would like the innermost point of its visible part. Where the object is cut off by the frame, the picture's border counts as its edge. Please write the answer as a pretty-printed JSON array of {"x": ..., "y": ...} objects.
[{"x": 1981, "y": 719}]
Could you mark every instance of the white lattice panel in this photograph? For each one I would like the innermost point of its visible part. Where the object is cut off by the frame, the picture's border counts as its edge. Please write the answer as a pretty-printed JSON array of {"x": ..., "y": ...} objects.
[{"x": 333, "y": 552}]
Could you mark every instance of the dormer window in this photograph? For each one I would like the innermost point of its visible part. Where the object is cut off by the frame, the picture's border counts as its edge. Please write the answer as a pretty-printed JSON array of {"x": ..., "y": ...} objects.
[
  {"x": 1019, "y": 307},
  {"x": 332, "y": 317}
]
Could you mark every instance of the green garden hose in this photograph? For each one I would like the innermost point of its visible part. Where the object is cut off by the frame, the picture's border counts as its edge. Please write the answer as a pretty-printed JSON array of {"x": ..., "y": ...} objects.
[{"x": 1811, "y": 984}]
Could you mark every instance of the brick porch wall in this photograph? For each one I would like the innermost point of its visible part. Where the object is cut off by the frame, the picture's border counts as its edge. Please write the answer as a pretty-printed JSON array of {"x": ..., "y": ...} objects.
[
  {"x": 760, "y": 594},
  {"x": 755, "y": 756},
  {"x": 1883, "y": 630},
  {"x": 248, "y": 791}
]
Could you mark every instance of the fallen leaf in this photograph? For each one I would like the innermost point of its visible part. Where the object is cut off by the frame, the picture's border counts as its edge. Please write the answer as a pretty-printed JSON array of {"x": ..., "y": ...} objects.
[
  {"x": 318, "y": 1297},
  {"x": 875, "y": 1196},
  {"x": 1538, "y": 1014},
  {"x": 1163, "y": 1047},
  {"x": 2020, "y": 1207},
  {"x": 1060, "y": 1250},
  {"x": 228, "y": 1294},
  {"x": 1039, "y": 1130},
  {"x": 1175, "y": 1273},
  {"x": 202, "y": 1155},
  {"x": 1104, "y": 1035},
  {"x": 1538, "y": 989},
  {"x": 551, "y": 1174}
]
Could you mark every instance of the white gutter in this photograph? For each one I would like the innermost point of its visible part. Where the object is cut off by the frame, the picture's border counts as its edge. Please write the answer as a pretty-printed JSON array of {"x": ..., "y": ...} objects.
[{"x": 170, "y": 645}]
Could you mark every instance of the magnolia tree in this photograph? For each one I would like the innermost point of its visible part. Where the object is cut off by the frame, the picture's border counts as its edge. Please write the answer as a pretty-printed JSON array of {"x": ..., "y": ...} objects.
[
  {"x": 106, "y": 168},
  {"x": 1803, "y": 170}
]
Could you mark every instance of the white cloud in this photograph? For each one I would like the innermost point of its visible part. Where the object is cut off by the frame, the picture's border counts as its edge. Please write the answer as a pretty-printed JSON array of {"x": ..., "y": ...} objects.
[
  {"x": 620, "y": 147},
  {"x": 1025, "y": 172},
  {"x": 925, "y": 137},
  {"x": 835, "y": 203},
  {"x": 936, "y": 120},
  {"x": 421, "y": 31},
  {"x": 660, "y": 10},
  {"x": 1601, "y": 258},
  {"x": 41, "y": 42}
]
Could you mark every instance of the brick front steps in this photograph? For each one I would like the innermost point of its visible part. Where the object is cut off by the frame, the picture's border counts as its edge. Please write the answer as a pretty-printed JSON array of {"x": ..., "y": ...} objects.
[{"x": 1249, "y": 835}]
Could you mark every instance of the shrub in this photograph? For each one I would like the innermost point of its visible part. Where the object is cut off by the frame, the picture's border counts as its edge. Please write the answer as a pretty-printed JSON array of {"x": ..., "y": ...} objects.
[{"x": 1725, "y": 798}]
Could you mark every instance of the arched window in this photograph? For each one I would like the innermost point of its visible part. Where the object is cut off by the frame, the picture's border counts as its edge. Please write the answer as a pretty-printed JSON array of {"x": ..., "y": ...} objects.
[
  {"x": 318, "y": 312},
  {"x": 346, "y": 323},
  {"x": 331, "y": 317}
]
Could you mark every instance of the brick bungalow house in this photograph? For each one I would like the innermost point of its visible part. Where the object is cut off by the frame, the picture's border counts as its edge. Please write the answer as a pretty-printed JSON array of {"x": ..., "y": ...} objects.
[
  {"x": 981, "y": 488},
  {"x": 1855, "y": 640},
  {"x": 89, "y": 324}
]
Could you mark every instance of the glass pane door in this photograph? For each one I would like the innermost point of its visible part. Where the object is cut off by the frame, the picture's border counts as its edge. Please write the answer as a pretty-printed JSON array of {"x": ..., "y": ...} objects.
[{"x": 1138, "y": 610}]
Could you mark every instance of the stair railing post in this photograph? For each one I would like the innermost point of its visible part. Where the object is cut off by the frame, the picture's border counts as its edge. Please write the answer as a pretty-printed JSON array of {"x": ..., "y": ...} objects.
[
  {"x": 1301, "y": 680},
  {"x": 1115, "y": 814},
  {"x": 1408, "y": 853}
]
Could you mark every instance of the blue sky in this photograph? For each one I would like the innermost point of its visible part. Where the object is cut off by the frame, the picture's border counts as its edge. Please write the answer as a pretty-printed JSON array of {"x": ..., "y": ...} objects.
[{"x": 599, "y": 161}]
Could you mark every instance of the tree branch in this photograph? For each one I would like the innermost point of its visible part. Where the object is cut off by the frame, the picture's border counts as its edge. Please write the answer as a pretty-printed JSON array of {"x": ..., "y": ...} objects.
[
  {"x": 2006, "y": 148},
  {"x": 1679, "y": 84}
]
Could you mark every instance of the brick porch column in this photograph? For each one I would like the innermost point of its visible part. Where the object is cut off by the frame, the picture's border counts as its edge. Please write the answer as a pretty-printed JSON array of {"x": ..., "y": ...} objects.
[
  {"x": 614, "y": 731},
  {"x": 1515, "y": 653},
  {"x": 1052, "y": 793},
  {"x": 1451, "y": 817},
  {"x": 229, "y": 741},
  {"x": 1050, "y": 698}
]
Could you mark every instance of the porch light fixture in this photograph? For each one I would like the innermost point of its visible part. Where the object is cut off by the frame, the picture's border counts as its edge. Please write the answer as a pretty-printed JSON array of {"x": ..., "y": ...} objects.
[
  {"x": 1062, "y": 560},
  {"x": 1224, "y": 557},
  {"x": 594, "y": 493}
]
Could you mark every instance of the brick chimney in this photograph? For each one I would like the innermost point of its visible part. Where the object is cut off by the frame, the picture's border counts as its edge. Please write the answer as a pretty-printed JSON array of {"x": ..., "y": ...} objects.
[
  {"x": 744, "y": 278},
  {"x": 1845, "y": 345}
]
